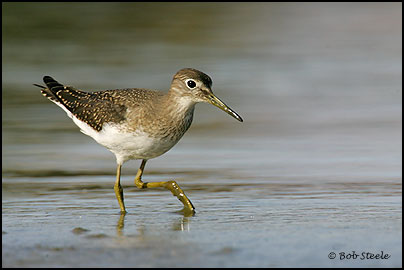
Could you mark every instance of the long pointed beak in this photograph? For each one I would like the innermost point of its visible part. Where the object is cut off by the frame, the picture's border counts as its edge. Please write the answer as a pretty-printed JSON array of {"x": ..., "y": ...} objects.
[{"x": 212, "y": 99}]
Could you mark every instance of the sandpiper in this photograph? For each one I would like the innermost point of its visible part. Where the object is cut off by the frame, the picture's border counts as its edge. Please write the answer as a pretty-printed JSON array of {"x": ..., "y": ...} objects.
[{"x": 136, "y": 123}]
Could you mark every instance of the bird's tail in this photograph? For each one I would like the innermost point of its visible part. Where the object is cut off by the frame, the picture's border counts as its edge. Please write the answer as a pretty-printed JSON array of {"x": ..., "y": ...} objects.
[{"x": 52, "y": 86}]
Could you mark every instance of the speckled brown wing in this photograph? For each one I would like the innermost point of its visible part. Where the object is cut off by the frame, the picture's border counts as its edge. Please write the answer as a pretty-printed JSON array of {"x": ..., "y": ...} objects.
[{"x": 95, "y": 108}]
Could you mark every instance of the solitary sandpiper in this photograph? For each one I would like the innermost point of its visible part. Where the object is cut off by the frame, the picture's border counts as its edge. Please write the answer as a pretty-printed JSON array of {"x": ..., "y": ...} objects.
[{"x": 136, "y": 123}]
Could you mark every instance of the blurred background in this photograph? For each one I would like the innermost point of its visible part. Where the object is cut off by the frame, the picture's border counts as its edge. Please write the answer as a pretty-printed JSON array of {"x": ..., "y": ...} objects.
[{"x": 319, "y": 86}]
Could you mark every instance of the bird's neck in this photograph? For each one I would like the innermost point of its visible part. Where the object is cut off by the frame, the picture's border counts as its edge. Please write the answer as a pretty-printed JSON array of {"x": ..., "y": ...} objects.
[
  {"x": 170, "y": 116},
  {"x": 176, "y": 104}
]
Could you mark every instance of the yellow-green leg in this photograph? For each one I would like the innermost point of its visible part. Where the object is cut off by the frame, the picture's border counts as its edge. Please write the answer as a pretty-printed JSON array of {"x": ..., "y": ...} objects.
[
  {"x": 118, "y": 189},
  {"x": 170, "y": 185}
]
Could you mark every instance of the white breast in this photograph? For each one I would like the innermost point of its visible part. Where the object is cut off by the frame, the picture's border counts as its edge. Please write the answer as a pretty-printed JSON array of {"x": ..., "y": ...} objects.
[
  {"x": 131, "y": 145},
  {"x": 127, "y": 145}
]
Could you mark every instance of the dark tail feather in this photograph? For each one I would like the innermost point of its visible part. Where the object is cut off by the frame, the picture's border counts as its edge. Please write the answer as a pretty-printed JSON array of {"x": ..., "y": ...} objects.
[
  {"x": 52, "y": 84},
  {"x": 50, "y": 89},
  {"x": 38, "y": 85}
]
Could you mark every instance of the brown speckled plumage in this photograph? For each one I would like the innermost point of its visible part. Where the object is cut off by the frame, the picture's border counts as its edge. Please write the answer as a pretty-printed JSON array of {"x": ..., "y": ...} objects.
[{"x": 96, "y": 108}]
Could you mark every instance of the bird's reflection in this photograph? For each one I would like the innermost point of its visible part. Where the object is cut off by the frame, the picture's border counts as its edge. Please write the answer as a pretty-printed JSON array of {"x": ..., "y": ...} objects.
[
  {"x": 121, "y": 224},
  {"x": 180, "y": 224}
]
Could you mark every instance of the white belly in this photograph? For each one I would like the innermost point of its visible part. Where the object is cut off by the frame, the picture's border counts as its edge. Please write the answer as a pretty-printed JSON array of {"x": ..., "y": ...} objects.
[
  {"x": 130, "y": 145},
  {"x": 126, "y": 145}
]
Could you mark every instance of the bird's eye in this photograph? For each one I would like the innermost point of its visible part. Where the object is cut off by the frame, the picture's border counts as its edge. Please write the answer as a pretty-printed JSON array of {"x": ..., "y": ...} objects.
[{"x": 191, "y": 84}]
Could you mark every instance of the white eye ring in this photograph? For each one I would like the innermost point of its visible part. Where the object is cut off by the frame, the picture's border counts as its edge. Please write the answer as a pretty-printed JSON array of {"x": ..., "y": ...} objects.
[{"x": 191, "y": 84}]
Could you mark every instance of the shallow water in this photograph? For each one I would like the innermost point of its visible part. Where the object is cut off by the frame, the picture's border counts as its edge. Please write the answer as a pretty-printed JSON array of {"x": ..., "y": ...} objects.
[{"x": 315, "y": 168}]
